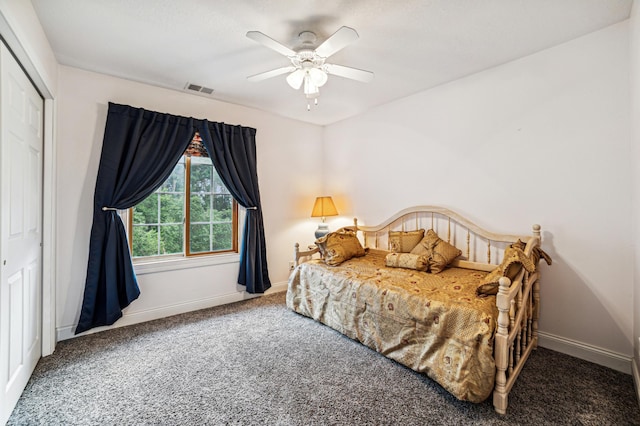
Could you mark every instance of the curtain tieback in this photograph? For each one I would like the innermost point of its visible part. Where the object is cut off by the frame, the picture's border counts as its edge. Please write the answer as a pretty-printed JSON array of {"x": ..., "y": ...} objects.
[
  {"x": 248, "y": 208},
  {"x": 104, "y": 209}
]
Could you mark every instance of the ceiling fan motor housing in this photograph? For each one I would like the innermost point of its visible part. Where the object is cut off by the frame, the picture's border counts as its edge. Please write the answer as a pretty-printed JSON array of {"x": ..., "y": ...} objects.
[{"x": 307, "y": 37}]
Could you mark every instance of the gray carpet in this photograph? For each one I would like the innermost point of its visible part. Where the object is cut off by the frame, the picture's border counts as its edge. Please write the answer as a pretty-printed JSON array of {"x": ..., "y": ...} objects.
[{"x": 257, "y": 363}]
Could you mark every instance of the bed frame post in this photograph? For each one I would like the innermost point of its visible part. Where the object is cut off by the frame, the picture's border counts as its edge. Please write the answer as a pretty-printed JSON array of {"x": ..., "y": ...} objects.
[
  {"x": 535, "y": 314},
  {"x": 500, "y": 393},
  {"x": 536, "y": 232},
  {"x": 536, "y": 295},
  {"x": 296, "y": 254}
]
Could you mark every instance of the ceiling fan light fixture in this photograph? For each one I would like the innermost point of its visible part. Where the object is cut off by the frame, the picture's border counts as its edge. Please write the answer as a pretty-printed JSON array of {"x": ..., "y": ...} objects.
[
  {"x": 296, "y": 78},
  {"x": 318, "y": 77}
]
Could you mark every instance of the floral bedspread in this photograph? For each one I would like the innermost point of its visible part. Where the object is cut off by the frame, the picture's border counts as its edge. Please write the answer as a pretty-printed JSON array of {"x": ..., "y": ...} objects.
[{"x": 432, "y": 323}]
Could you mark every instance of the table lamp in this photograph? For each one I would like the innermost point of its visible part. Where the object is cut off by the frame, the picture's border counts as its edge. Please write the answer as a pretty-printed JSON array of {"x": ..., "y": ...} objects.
[{"x": 323, "y": 207}]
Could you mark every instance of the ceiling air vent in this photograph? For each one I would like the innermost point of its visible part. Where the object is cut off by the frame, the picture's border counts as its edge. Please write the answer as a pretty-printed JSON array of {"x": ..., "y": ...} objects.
[{"x": 200, "y": 89}]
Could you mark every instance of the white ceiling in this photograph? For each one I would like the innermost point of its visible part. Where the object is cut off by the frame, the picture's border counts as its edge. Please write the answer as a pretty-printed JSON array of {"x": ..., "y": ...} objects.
[{"x": 410, "y": 45}]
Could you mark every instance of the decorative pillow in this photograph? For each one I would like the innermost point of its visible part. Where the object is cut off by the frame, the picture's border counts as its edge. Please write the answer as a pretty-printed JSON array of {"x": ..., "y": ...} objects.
[
  {"x": 336, "y": 247},
  {"x": 490, "y": 283},
  {"x": 512, "y": 263},
  {"x": 511, "y": 269},
  {"x": 439, "y": 252},
  {"x": 536, "y": 254},
  {"x": 404, "y": 242},
  {"x": 407, "y": 261}
]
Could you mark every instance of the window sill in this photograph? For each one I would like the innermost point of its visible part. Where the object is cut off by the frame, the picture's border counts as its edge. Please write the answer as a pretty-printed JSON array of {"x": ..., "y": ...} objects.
[{"x": 142, "y": 267}]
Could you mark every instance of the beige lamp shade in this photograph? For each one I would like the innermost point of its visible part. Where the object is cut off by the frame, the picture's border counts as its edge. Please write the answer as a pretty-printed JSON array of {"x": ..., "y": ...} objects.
[{"x": 324, "y": 207}]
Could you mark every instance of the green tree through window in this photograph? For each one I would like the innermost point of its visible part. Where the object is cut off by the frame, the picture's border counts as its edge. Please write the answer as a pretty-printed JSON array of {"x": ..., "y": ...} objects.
[{"x": 192, "y": 213}]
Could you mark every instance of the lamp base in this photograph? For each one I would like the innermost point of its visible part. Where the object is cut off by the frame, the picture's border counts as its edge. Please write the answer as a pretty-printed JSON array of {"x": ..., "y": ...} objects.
[{"x": 323, "y": 229}]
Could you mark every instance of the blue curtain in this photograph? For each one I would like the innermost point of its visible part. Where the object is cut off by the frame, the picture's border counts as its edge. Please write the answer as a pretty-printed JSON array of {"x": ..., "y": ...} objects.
[
  {"x": 233, "y": 153},
  {"x": 139, "y": 150}
]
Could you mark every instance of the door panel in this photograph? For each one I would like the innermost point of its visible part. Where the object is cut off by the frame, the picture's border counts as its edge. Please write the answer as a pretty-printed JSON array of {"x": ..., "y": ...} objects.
[
  {"x": 33, "y": 202},
  {"x": 16, "y": 187},
  {"x": 21, "y": 144},
  {"x": 32, "y": 305},
  {"x": 16, "y": 317}
]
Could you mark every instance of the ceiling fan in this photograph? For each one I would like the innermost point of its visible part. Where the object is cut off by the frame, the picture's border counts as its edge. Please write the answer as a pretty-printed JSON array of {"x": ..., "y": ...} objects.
[{"x": 308, "y": 68}]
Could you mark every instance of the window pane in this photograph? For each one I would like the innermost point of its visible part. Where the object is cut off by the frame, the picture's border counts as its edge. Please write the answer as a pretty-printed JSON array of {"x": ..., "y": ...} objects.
[
  {"x": 147, "y": 211},
  {"x": 218, "y": 185},
  {"x": 171, "y": 238},
  {"x": 200, "y": 208},
  {"x": 222, "y": 208},
  {"x": 200, "y": 238},
  {"x": 171, "y": 208},
  {"x": 175, "y": 181},
  {"x": 201, "y": 173},
  {"x": 145, "y": 241},
  {"x": 222, "y": 235},
  {"x": 211, "y": 209}
]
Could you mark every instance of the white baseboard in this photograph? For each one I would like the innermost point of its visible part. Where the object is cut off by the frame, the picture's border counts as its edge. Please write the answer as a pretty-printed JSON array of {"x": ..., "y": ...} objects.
[
  {"x": 585, "y": 351},
  {"x": 64, "y": 333},
  {"x": 636, "y": 378}
]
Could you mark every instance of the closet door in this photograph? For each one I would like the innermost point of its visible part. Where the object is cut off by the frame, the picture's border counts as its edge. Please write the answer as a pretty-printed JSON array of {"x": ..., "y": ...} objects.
[{"x": 21, "y": 143}]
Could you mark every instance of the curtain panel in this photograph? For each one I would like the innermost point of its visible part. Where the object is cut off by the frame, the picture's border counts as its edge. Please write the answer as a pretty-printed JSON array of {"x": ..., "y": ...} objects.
[
  {"x": 139, "y": 150},
  {"x": 233, "y": 153}
]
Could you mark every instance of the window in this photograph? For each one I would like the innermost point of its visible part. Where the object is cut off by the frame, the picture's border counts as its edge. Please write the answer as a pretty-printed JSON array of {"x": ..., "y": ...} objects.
[{"x": 191, "y": 214}]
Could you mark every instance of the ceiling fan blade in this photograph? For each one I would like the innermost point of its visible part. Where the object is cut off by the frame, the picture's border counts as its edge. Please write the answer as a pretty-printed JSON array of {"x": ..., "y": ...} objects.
[
  {"x": 339, "y": 40},
  {"x": 273, "y": 73},
  {"x": 267, "y": 41},
  {"x": 348, "y": 72}
]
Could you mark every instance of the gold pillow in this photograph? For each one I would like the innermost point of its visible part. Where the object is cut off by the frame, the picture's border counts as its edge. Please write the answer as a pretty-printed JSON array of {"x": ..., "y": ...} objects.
[
  {"x": 490, "y": 284},
  {"x": 439, "y": 252},
  {"x": 336, "y": 247},
  {"x": 407, "y": 261},
  {"x": 536, "y": 254},
  {"x": 404, "y": 242},
  {"x": 512, "y": 263}
]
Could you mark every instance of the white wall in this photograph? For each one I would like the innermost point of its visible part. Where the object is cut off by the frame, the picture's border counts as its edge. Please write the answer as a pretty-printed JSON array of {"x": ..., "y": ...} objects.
[
  {"x": 21, "y": 29},
  {"x": 634, "y": 69},
  {"x": 287, "y": 156},
  {"x": 544, "y": 139}
]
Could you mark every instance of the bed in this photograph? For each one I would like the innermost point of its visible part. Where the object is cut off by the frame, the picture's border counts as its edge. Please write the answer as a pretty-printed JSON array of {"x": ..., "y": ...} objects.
[{"x": 470, "y": 326}]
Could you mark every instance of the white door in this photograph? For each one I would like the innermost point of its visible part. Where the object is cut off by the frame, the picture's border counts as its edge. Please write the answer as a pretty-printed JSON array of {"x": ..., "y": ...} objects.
[{"x": 21, "y": 143}]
